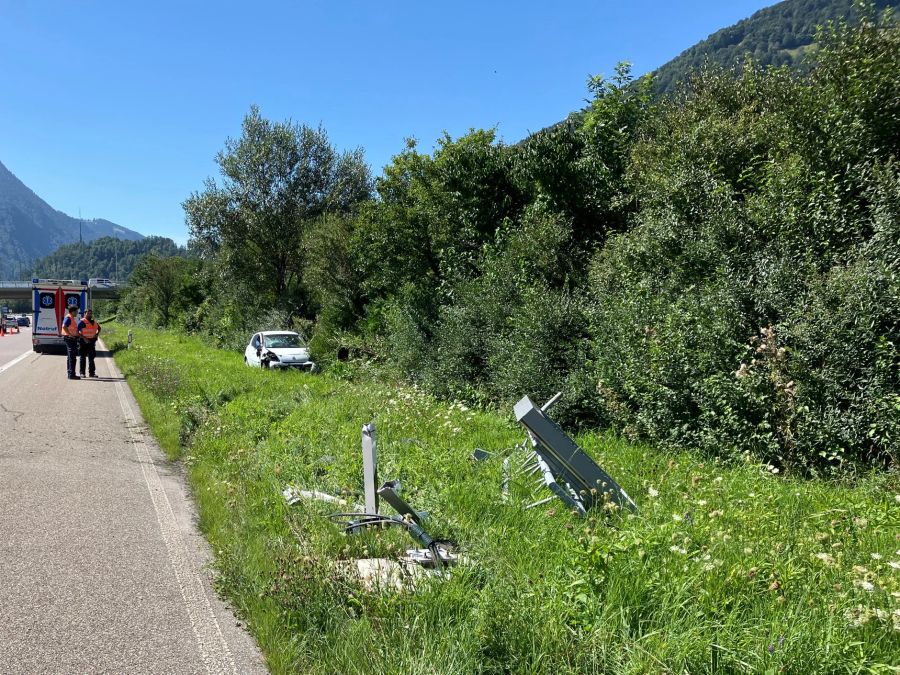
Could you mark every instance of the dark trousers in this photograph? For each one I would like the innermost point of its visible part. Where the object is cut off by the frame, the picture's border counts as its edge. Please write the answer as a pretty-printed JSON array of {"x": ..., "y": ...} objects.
[
  {"x": 71, "y": 355},
  {"x": 88, "y": 350}
]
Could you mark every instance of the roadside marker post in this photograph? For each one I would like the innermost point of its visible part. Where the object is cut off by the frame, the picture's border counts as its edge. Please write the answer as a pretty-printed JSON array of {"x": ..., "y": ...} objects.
[{"x": 370, "y": 468}]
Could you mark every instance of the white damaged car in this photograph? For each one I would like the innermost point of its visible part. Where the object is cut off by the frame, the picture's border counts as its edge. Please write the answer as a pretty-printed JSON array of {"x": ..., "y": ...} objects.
[{"x": 278, "y": 349}]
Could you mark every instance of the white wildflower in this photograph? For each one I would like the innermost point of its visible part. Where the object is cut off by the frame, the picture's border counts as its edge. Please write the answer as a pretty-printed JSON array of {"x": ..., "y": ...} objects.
[
  {"x": 857, "y": 616},
  {"x": 826, "y": 558},
  {"x": 653, "y": 492}
]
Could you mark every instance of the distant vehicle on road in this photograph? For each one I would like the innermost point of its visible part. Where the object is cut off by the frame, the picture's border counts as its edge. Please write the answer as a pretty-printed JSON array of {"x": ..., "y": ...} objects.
[
  {"x": 11, "y": 324},
  {"x": 23, "y": 321},
  {"x": 278, "y": 349}
]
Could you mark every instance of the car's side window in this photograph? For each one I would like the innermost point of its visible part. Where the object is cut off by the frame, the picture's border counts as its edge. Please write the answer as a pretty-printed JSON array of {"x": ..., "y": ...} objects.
[{"x": 255, "y": 342}]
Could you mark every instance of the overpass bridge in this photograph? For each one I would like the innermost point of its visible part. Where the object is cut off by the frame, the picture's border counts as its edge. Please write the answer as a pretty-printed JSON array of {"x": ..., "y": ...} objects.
[{"x": 97, "y": 289}]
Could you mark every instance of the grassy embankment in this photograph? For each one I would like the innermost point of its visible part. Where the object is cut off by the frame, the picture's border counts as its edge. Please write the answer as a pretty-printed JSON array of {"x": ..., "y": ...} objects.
[{"x": 726, "y": 568}]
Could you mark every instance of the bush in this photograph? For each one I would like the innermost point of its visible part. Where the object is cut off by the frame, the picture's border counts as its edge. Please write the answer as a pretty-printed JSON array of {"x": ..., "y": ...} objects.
[{"x": 752, "y": 309}]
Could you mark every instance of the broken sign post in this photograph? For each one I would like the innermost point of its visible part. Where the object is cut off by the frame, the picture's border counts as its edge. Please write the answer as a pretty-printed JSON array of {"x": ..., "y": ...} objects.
[
  {"x": 567, "y": 470},
  {"x": 292, "y": 495}
]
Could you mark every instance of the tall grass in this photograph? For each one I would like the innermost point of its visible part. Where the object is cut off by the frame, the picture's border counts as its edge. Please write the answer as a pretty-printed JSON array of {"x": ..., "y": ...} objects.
[{"x": 726, "y": 568}]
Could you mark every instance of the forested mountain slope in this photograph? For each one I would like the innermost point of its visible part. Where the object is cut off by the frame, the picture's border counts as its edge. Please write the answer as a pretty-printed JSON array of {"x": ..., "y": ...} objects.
[
  {"x": 777, "y": 35},
  {"x": 31, "y": 228},
  {"x": 105, "y": 257}
]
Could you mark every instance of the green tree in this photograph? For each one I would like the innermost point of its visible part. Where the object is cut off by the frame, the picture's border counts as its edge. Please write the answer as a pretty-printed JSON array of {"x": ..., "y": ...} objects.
[
  {"x": 330, "y": 272},
  {"x": 160, "y": 289},
  {"x": 276, "y": 179},
  {"x": 435, "y": 213},
  {"x": 106, "y": 257}
]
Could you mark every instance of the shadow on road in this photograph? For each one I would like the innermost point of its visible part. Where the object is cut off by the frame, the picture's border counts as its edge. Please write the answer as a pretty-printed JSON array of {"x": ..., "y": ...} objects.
[
  {"x": 101, "y": 354},
  {"x": 114, "y": 347}
]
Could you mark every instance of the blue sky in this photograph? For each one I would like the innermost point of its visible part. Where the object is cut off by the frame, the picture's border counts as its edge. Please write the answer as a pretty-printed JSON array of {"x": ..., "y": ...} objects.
[{"x": 117, "y": 109}]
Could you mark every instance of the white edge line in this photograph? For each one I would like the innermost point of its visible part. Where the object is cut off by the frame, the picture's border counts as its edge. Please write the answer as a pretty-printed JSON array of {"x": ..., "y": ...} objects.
[
  {"x": 10, "y": 364},
  {"x": 212, "y": 644}
]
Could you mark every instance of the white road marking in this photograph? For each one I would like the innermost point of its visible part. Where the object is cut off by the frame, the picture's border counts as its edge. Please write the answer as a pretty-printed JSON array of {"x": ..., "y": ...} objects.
[
  {"x": 10, "y": 364},
  {"x": 213, "y": 647}
]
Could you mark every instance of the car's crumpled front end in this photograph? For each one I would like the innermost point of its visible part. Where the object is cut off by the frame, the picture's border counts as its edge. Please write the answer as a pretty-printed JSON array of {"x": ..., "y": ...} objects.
[{"x": 289, "y": 358}]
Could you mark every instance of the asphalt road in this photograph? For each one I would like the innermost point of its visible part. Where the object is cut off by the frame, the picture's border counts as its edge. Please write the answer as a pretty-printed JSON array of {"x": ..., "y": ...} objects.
[
  {"x": 13, "y": 345},
  {"x": 102, "y": 568}
]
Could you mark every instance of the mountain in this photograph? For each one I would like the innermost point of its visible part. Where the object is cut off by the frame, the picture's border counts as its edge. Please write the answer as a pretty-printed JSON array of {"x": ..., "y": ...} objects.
[
  {"x": 31, "y": 228},
  {"x": 104, "y": 257},
  {"x": 777, "y": 35}
]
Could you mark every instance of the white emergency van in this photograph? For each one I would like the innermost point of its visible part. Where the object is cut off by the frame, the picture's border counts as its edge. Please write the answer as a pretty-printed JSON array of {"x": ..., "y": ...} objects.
[{"x": 51, "y": 299}]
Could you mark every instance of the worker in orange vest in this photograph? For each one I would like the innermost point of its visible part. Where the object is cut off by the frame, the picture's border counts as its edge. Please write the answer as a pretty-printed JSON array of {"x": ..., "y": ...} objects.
[
  {"x": 88, "y": 330},
  {"x": 69, "y": 332}
]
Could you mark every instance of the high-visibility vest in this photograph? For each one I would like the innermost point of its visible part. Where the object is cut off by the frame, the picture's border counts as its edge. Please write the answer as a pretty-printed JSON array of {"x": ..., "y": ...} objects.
[
  {"x": 90, "y": 329},
  {"x": 72, "y": 329}
]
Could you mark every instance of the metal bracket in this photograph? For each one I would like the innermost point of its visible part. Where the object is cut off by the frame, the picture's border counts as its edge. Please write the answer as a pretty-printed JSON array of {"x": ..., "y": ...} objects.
[{"x": 388, "y": 492}]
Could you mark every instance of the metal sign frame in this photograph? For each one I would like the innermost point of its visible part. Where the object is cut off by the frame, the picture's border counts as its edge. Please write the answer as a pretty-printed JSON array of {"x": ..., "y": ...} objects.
[{"x": 564, "y": 461}]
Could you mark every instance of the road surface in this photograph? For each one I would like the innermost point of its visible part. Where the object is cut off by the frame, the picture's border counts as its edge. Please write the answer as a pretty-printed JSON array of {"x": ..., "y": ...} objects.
[
  {"x": 102, "y": 568},
  {"x": 13, "y": 345}
]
